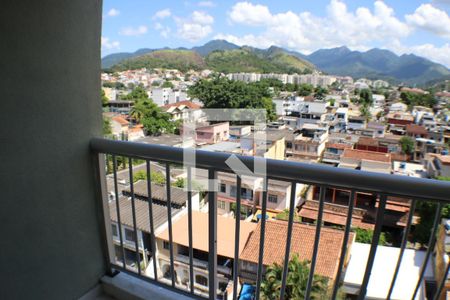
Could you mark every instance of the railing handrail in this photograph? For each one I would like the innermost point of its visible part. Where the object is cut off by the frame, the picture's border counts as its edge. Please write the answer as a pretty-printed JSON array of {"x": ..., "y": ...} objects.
[{"x": 318, "y": 174}]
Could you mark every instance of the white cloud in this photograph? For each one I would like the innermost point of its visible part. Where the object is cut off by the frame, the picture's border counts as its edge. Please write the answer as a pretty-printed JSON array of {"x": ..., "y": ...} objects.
[
  {"x": 306, "y": 32},
  {"x": 202, "y": 18},
  {"x": 206, "y": 4},
  {"x": 113, "y": 12},
  {"x": 162, "y": 14},
  {"x": 432, "y": 19},
  {"x": 133, "y": 31},
  {"x": 109, "y": 45},
  {"x": 435, "y": 53},
  {"x": 164, "y": 31},
  {"x": 194, "y": 28},
  {"x": 250, "y": 14}
]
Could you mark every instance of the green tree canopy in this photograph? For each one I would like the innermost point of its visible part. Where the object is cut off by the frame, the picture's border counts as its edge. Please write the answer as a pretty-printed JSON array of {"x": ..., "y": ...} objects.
[
  {"x": 407, "y": 145},
  {"x": 365, "y": 97},
  {"x": 220, "y": 92},
  {"x": 154, "y": 119},
  {"x": 365, "y": 236},
  {"x": 107, "y": 127},
  {"x": 136, "y": 94},
  {"x": 298, "y": 273},
  {"x": 413, "y": 99},
  {"x": 320, "y": 92},
  {"x": 104, "y": 98},
  {"x": 167, "y": 84},
  {"x": 305, "y": 89}
]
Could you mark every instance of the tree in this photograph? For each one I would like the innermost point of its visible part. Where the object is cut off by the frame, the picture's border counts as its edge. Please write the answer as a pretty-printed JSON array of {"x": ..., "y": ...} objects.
[
  {"x": 364, "y": 110},
  {"x": 155, "y": 177},
  {"x": 104, "y": 98},
  {"x": 305, "y": 89},
  {"x": 407, "y": 145},
  {"x": 298, "y": 273},
  {"x": 365, "y": 97},
  {"x": 365, "y": 236},
  {"x": 413, "y": 99},
  {"x": 107, "y": 127},
  {"x": 167, "y": 84},
  {"x": 155, "y": 120},
  {"x": 136, "y": 94},
  {"x": 320, "y": 92},
  {"x": 220, "y": 92}
]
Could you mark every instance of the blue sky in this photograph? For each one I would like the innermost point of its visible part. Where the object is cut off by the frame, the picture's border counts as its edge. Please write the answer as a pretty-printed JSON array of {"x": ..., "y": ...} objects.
[{"x": 419, "y": 27}]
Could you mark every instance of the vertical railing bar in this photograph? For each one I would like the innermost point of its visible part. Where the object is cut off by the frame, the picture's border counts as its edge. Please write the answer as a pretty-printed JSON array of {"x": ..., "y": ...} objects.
[
  {"x": 212, "y": 234},
  {"x": 236, "y": 236},
  {"x": 262, "y": 238},
  {"x": 150, "y": 212},
  {"x": 288, "y": 239},
  {"x": 373, "y": 246},
  {"x": 133, "y": 211},
  {"x": 348, "y": 226},
  {"x": 431, "y": 243},
  {"x": 402, "y": 247},
  {"x": 169, "y": 223},
  {"x": 316, "y": 243},
  {"x": 116, "y": 191},
  {"x": 442, "y": 283},
  {"x": 191, "y": 250}
]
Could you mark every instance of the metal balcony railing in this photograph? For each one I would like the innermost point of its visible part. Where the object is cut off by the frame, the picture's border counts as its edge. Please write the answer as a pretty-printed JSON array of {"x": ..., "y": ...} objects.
[{"x": 323, "y": 176}]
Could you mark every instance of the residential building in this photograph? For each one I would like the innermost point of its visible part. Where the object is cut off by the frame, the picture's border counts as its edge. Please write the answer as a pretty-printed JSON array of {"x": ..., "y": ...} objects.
[
  {"x": 310, "y": 143},
  {"x": 397, "y": 121},
  {"x": 184, "y": 109},
  {"x": 180, "y": 247},
  {"x": 212, "y": 133}
]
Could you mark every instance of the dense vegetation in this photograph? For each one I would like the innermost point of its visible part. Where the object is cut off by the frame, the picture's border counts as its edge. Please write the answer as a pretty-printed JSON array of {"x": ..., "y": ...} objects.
[
  {"x": 297, "y": 279},
  {"x": 220, "y": 92},
  {"x": 182, "y": 60},
  {"x": 412, "y": 99},
  {"x": 226, "y": 61},
  {"x": 146, "y": 112}
]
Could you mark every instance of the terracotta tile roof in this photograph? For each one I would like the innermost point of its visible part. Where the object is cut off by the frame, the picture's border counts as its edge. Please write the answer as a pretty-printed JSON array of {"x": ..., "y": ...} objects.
[
  {"x": 366, "y": 155},
  {"x": 367, "y": 141},
  {"x": 337, "y": 145},
  {"x": 302, "y": 244},
  {"x": 225, "y": 233},
  {"x": 120, "y": 120},
  {"x": 142, "y": 213},
  {"x": 416, "y": 129},
  {"x": 187, "y": 103}
]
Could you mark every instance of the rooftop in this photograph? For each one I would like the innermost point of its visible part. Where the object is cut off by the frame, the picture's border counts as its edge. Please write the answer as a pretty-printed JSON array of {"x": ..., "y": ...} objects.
[
  {"x": 366, "y": 155},
  {"x": 225, "y": 233},
  {"x": 302, "y": 244},
  {"x": 177, "y": 195},
  {"x": 142, "y": 213}
]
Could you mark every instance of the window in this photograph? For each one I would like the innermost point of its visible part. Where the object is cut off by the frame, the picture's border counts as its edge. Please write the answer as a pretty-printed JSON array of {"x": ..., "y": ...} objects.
[
  {"x": 202, "y": 280},
  {"x": 233, "y": 191},
  {"x": 273, "y": 198},
  {"x": 114, "y": 230},
  {"x": 221, "y": 204},
  {"x": 129, "y": 235},
  {"x": 223, "y": 188},
  {"x": 166, "y": 245}
]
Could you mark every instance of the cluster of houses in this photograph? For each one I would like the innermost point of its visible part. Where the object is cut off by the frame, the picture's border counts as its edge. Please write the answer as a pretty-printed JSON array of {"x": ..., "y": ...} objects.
[{"x": 331, "y": 131}]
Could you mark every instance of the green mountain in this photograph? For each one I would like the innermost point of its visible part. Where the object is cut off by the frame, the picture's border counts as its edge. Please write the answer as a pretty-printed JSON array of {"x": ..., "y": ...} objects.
[
  {"x": 223, "y": 56},
  {"x": 244, "y": 59},
  {"x": 378, "y": 64},
  {"x": 182, "y": 60},
  {"x": 214, "y": 45}
]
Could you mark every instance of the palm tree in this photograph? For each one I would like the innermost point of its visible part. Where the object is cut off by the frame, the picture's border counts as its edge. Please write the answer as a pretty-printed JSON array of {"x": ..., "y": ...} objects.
[
  {"x": 296, "y": 281},
  {"x": 365, "y": 112}
]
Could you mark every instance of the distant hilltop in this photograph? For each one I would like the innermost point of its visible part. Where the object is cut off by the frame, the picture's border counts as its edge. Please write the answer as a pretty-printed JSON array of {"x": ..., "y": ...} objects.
[{"x": 226, "y": 57}]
